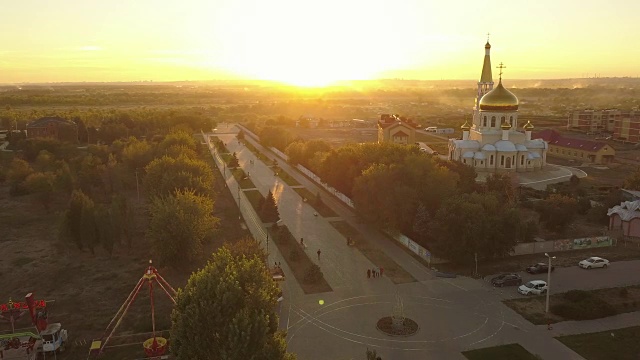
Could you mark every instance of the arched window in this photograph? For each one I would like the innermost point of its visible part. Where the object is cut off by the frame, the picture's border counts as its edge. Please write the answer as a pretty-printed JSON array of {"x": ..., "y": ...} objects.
[
  {"x": 512, "y": 123},
  {"x": 502, "y": 160},
  {"x": 491, "y": 160},
  {"x": 502, "y": 120},
  {"x": 485, "y": 121},
  {"x": 521, "y": 160},
  {"x": 493, "y": 121}
]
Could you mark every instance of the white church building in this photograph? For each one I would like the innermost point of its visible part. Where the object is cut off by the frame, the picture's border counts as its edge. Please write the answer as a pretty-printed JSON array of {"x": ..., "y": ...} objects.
[{"x": 492, "y": 143}]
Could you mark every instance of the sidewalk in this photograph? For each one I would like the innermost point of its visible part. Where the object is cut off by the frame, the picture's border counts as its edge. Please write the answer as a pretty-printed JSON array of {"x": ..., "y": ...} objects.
[
  {"x": 597, "y": 325},
  {"x": 374, "y": 236}
]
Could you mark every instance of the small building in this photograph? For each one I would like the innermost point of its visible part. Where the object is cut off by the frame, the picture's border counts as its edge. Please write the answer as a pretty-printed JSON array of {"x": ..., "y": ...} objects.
[
  {"x": 625, "y": 217},
  {"x": 577, "y": 149},
  {"x": 396, "y": 129},
  {"x": 53, "y": 127}
]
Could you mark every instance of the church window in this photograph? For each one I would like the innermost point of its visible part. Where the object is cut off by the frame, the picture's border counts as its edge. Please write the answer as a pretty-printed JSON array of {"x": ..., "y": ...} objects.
[
  {"x": 511, "y": 122},
  {"x": 493, "y": 121},
  {"x": 491, "y": 160},
  {"x": 485, "y": 121},
  {"x": 502, "y": 160},
  {"x": 502, "y": 119},
  {"x": 521, "y": 160}
]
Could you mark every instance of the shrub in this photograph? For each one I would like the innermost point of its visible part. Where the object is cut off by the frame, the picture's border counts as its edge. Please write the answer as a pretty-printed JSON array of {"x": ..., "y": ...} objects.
[
  {"x": 577, "y": 295},
  {"x": 313, "y": 274}
]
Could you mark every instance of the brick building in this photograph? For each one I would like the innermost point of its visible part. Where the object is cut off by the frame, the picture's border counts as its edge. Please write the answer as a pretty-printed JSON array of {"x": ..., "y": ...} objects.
[
  {"x": 576, "y": 149},
  {"x": 622, "y": 124},
  {"x": 396, "y": 129},
  {"x": 53, "y": 128}
]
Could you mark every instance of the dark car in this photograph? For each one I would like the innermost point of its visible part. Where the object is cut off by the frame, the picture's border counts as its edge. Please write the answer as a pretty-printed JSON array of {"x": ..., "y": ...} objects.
[
  {"x": 539, "y": 268},
  {"x": 506, "y": 280}
]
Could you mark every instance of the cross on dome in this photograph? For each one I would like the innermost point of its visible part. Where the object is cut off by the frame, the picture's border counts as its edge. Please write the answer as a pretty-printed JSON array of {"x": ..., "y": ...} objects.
[
  {"x": 488, "y": 37},
  {"x": 501, "y": 66}
]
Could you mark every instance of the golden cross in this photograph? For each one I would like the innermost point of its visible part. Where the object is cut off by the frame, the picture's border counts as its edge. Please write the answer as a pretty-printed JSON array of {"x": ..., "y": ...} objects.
[
  {"x": 488, "y": 37},
  {"x": 501, "y": 66}
]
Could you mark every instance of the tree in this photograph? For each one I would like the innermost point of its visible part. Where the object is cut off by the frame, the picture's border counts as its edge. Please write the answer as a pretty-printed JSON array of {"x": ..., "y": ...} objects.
[
  {"x": 421, "y": 223},
  {"x": 269, "y": 210},
  {"x": 633, "y": 181},
  {"x": 179, "y": 225},
  {"x": 41, "y": 184},
  {"x": 137, "y": 154},
  {"x": 574, "y": 180},
  {"x": 178, "y": 137},
  {"x": 557, "y": 211},
  {"x": 227, "y": 308},
  {"x": 166, "y": 175},
  {"x": 19, "y": 170},
  {"x": 240, "y": 135},
  {"x": 78, "y": 220},
  {"x": 470, "y": 224},
  {"x": 106, "y": 227},
  {"x": 502, "y": 185},
  {"x": 372, "y": 355},
  {"x": 233, "y": 161},
  {"x": 247, "y": 247}
]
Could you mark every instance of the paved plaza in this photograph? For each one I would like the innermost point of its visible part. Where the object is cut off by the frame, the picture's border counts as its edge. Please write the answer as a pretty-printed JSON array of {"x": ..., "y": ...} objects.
[{"x": 453, "y": 314}]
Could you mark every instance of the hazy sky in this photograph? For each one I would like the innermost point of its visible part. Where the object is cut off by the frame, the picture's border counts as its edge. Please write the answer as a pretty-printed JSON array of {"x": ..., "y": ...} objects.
[{"x": 311, "y": 42}]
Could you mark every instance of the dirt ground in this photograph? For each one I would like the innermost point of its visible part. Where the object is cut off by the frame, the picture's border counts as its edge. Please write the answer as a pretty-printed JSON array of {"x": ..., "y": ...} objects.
[{"x": 86, "y": 289}]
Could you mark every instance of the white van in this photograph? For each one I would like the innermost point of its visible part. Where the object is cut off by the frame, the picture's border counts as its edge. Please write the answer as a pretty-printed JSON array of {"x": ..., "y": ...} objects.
[{"x": 431, "y": 129}]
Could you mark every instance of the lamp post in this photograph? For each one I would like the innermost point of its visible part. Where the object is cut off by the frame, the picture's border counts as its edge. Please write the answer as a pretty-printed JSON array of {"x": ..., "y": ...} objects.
[{"x": 548, "y": 281}]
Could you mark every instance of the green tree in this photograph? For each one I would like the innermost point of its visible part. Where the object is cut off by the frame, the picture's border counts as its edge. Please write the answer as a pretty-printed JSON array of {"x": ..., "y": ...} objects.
[
  {"x": 166, "y": 175},
  {"x": 137, "y": 154},
  {"x": 557, "y": 212},
  {"x": 19, "y": 170},
  {"x": 106, "y": 227},
  {"x": 65, "y": 179},
  {"x": 470, "y": 224},
  {"x": 247, "y": 247},
  {"x": 227, "y": 308},
  {"x": 633, "y": 181},
  {"x": 501, "y": 184},
  {"x": 77, "y": 221},
  {"x": 233, "y": 161},
  {"x": 180, "y": 138},
  {"x": 179, "y": 225},
  {"x": 269, "y": 210},
  {"x": 42, "y": 185}
]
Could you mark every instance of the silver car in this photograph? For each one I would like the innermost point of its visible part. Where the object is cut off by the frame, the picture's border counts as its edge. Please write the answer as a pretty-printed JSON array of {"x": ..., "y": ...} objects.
[
  {"x": 533, "y": 287},
  {"x": 594, "y": 262}
]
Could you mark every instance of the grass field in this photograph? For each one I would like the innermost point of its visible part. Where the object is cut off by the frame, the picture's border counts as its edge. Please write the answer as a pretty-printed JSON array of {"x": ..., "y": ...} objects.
[
  {"x": 320, "y": 207},
  {"x": 392, "y": 270},
  {"x": 593, "y": 304},
  {"x": 510, "y": 352},
  {"x": 623, "y": 345}
]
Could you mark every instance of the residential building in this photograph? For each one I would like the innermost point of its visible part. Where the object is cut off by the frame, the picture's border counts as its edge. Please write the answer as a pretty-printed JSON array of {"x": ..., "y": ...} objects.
[
  {"x": 577, "y": 149},
  {"x": 492, "y": 143},
  {"x": 54, "y": 128},
  {"x": 396, "y": 129},
  {"x": 622, "y": 124}
]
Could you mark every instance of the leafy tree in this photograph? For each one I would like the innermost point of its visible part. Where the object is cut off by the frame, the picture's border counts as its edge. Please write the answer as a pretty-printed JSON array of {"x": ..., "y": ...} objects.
[
  {"x": 574, "y": 181},
  {"x": 269, "y": 210},
  {"x": 421, "y": 223},
  {"x": 247, "y": 247},
  {"x": 179, "y": 225},
  {"x": 227, "y": 308},
  {"x": 137, "y": 154},
  {"x": 633, "y": 181},
  {"x": 106, "y": 227},
  {"x": 45, "y": 161},
  {"x": 41, "y": 184},
  {"x": 179, "y": 138},
  {"x": 233, "y": 162},
  {"x": 83, "y": 135},
  {"x": 166, "y": 175},
  {"x": 65, "y": 179},
  {"x": 123, "y": 218},
  {"x": 240, "y": 135},
  {"x": 557, "y": 211},
  {"x": 176, "y": 151},
  {"x": 372, "y": 355},
  {"x": 77, "y": 221},
  {"x": 501, "y": 184},
  {"x": 471, "y": 224},
  {"x": 19, "y": 170}
]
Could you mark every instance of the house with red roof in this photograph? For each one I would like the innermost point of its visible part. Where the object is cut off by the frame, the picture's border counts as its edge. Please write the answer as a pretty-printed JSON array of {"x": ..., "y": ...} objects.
[
  {"x": 53, "y": 127},
  {"x": 396, "y": 129},
  {"x": 581, "y": 150}
]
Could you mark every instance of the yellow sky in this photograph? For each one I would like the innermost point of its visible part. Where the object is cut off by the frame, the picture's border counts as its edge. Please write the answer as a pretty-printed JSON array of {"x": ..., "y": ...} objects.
[{"x": 314, "y": 42}]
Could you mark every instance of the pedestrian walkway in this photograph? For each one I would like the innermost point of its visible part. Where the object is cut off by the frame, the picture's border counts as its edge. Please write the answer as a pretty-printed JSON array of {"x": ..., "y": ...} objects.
[{"x": 597, "y": 325}]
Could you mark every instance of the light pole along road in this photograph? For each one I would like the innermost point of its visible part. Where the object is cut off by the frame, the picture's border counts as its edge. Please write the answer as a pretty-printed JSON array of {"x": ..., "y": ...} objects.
[{"x": 548, "y": 281}]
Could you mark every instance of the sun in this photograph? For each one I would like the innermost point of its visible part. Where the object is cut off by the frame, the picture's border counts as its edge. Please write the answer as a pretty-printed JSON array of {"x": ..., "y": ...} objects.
[{"x": 310, "y": 44}]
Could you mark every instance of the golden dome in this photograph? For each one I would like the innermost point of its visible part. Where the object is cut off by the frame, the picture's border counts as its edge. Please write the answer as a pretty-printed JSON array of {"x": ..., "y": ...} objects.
[
  {"x": 528, "y": 126},
  {"x": 499, "y": 99},
  {"x": 505, "y": 126},
  {"x": 465, "y": 126},
  {"x": 487, "y": 45}
]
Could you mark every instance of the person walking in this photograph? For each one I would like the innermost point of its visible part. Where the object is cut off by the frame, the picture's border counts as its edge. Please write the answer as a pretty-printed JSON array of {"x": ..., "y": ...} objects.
[
  {"x": 302, "y": 242},
  {"x": 319, "y": 254},
  {"x": 368, "y": 273},
  {"x": 374, "y": 272}
]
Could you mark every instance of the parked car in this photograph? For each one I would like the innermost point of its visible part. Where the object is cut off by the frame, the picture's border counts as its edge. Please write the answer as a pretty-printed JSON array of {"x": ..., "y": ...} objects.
[
  {"x": 431, "y": 129},
  {"x": 539, "y": 268},
  {"x": 533, "y": 287},
  {"x": 506, "y": 280},
  {"x": 594, "y": 262}
]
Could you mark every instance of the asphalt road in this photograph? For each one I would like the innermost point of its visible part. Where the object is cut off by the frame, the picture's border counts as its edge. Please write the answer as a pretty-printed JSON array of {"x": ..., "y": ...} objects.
[{"x": 563, "y": 279}]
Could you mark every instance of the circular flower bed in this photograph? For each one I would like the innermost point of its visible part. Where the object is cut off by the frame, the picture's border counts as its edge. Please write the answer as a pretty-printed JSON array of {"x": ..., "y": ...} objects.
[{"x": 409, "y": 327}]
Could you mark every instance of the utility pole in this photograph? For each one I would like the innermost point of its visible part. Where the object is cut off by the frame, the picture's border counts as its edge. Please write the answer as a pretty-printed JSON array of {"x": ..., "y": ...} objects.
[{"x": 548, "y": 281}]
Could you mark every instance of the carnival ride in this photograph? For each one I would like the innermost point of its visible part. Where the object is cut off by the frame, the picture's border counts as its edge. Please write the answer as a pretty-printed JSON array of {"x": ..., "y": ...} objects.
[
  {"x": 27, "y": 344},
  {"x": 154, "y": 346}
]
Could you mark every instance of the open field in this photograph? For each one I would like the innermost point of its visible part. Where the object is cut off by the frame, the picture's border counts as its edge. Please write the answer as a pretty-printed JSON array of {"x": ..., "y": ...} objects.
[
  {"x": 511, "y": 352},
  {"x": 392, "y": 270},
  {"x": 578, "y": 305},
  {"x": 89, "y": 289},
  {"x": 620, "y": 344}
]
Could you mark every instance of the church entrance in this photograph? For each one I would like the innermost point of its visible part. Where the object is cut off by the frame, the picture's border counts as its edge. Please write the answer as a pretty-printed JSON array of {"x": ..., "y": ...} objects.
[{"x": 508, "y": 163}]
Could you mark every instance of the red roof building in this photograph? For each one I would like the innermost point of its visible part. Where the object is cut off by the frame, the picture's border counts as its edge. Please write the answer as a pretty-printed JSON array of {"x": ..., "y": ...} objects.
[
  {"x": 576, "y": 149},
  {"x": 396, "y": 129}
]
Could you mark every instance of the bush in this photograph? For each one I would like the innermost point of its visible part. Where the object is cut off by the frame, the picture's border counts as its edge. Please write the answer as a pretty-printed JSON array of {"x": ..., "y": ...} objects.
[
  {"x": 577, "y": 295},
  {"x": 313, "y": 274},
  {"x": 590, "y": 308}
]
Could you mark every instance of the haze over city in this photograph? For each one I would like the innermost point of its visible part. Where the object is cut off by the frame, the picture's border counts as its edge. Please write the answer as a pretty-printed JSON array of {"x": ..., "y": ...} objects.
[{"x": 313, "y": 42}]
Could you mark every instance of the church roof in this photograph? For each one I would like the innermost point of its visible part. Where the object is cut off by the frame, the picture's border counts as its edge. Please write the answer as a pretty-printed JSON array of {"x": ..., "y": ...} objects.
[
  {"x": 45, "y": 121},
  {"x": 467, "y": 144},
  {"x": 400, "y": 134},
  {"x": 488, "y": 147},
  {"x": 521, "y": 147},
  {"x": 479, "y": 156},
  {"x": 535, "y": 144},
  {"x": 554, "y": 138},
  {"x": 505, "y": 145},
  {"x": 499, "y": 99},
  {"x": 486, "y": 66},
  {"x": 627, "y": 210},
  {"x": 468, "y": 154}
]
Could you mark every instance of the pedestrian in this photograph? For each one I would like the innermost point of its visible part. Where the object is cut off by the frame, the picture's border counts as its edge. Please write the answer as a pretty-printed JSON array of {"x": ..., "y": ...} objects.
[
  {"x": 374, "y": 272},
  {"x": 319, "y": 254},
  {"x": 348, "y": 240},
  {"x": 381, "y": 271},
  {"x": 302, "y": 242},
  {"x": 368, "y": 273}
]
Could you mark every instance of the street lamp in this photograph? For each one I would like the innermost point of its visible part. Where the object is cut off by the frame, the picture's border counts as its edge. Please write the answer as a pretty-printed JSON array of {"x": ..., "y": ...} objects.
[{"x": 548, "y": 281}]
